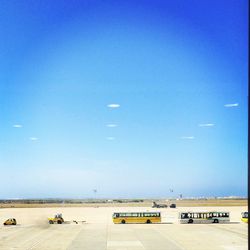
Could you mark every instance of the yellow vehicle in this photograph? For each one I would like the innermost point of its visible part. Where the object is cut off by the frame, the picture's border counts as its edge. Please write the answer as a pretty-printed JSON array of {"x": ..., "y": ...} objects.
[
  {"x": 10, "y": 221},
  {"x": 137, "y": 217},
  {"x": 244, "y": 217},
  {"x": 58, "y": 219}
]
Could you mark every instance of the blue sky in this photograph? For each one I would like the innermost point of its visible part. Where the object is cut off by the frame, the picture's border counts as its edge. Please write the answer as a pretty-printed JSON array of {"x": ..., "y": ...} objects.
[{"x": 172, "y": 66}]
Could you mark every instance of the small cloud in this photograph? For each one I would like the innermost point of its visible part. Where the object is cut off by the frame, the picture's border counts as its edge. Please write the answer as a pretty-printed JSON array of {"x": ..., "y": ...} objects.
[
  {"x": 33, "y": 138},
  {"x": 112, "y": 125},
  {"x": 230, "y": 105},
  {"x": 114, "y": 105},
  {"x": 187, "y": 137},
  {"x": 17, "y": 126},
  {"x": 206, "y": 125},
  {"x": 110, "y": 138}
]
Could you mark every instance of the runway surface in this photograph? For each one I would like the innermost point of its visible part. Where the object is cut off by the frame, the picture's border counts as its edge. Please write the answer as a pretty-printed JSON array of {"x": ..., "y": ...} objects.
[{"x": 99, "y": 232}]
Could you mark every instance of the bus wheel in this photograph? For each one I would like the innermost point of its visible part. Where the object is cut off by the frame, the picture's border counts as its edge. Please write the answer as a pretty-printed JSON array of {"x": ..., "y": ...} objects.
[
  {"x": 123, "y": 221},
  {"x": 148, "y": 221},
  {"x": 216, "y": 221},
  {"x": 190, "y": 221}
]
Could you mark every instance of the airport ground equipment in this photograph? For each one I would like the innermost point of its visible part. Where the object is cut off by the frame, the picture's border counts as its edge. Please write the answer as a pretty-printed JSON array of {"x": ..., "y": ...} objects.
[
  {"x": 155, "y": 205},
  {"x": 244, "y": 217},
  {"x": 204, "y": 217},
  {"x": 58, "y": 219},
  {"x": 136, "y": 217},
  {"x": 11, "y": 221},
  {"x": 172, "y": 205},
  {"x": 79, "y": 222}
]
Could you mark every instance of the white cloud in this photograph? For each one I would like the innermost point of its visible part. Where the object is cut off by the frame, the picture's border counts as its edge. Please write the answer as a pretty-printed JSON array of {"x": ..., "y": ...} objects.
[
  {"x": 112, "y": 125},
  {"x": 187, "y": 137},
  {"x": 33, "y": 138},
  {"x": 230, "y": 105},
  {"x": 110, "y": 138},
  {"x": 206, "y": 125},
  {"x": 113, "y": 105},
  {"x": 17, "y": 126}
]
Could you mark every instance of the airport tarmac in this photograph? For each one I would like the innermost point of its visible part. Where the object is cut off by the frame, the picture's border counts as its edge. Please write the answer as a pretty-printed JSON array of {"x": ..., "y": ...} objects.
[{"x": 99, "y": 232}]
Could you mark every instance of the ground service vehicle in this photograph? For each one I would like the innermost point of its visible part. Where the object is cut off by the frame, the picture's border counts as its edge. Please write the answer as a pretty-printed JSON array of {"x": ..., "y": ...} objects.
[
  {"x": 137, "y": 217},
  {"x": 58, "y": 219},
  {"x": 244, "y": 217},
  {"x": 172, "y": 205},
  {"x": 158, "y": 205},
  {"x": 10, "y": 221},
  {"x": 204, "y": 217}
]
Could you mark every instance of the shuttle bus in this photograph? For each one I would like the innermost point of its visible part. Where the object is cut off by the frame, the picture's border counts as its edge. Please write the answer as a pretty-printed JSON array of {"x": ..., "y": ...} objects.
[
  {"x": 137, "y": 217},
  {"x": 204, "y": 217}
]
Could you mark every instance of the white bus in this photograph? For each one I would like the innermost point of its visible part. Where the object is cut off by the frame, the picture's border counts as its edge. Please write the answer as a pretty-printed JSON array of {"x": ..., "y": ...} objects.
[{"x": 204, "y": 217}]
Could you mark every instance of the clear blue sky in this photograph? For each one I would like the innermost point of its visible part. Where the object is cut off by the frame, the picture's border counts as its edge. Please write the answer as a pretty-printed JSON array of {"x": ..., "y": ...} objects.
[{"x": 178, "y": 70}]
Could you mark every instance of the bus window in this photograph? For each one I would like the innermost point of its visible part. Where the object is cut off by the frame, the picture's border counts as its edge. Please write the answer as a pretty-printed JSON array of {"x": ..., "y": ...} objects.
[
  {"x": 184, "y": 216},
  {"x": 245, "y": 215}
]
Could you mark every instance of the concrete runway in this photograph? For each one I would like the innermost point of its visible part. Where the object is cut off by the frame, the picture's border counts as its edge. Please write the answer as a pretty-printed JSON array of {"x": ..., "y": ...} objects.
[{"x": 99, "y": 232}]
